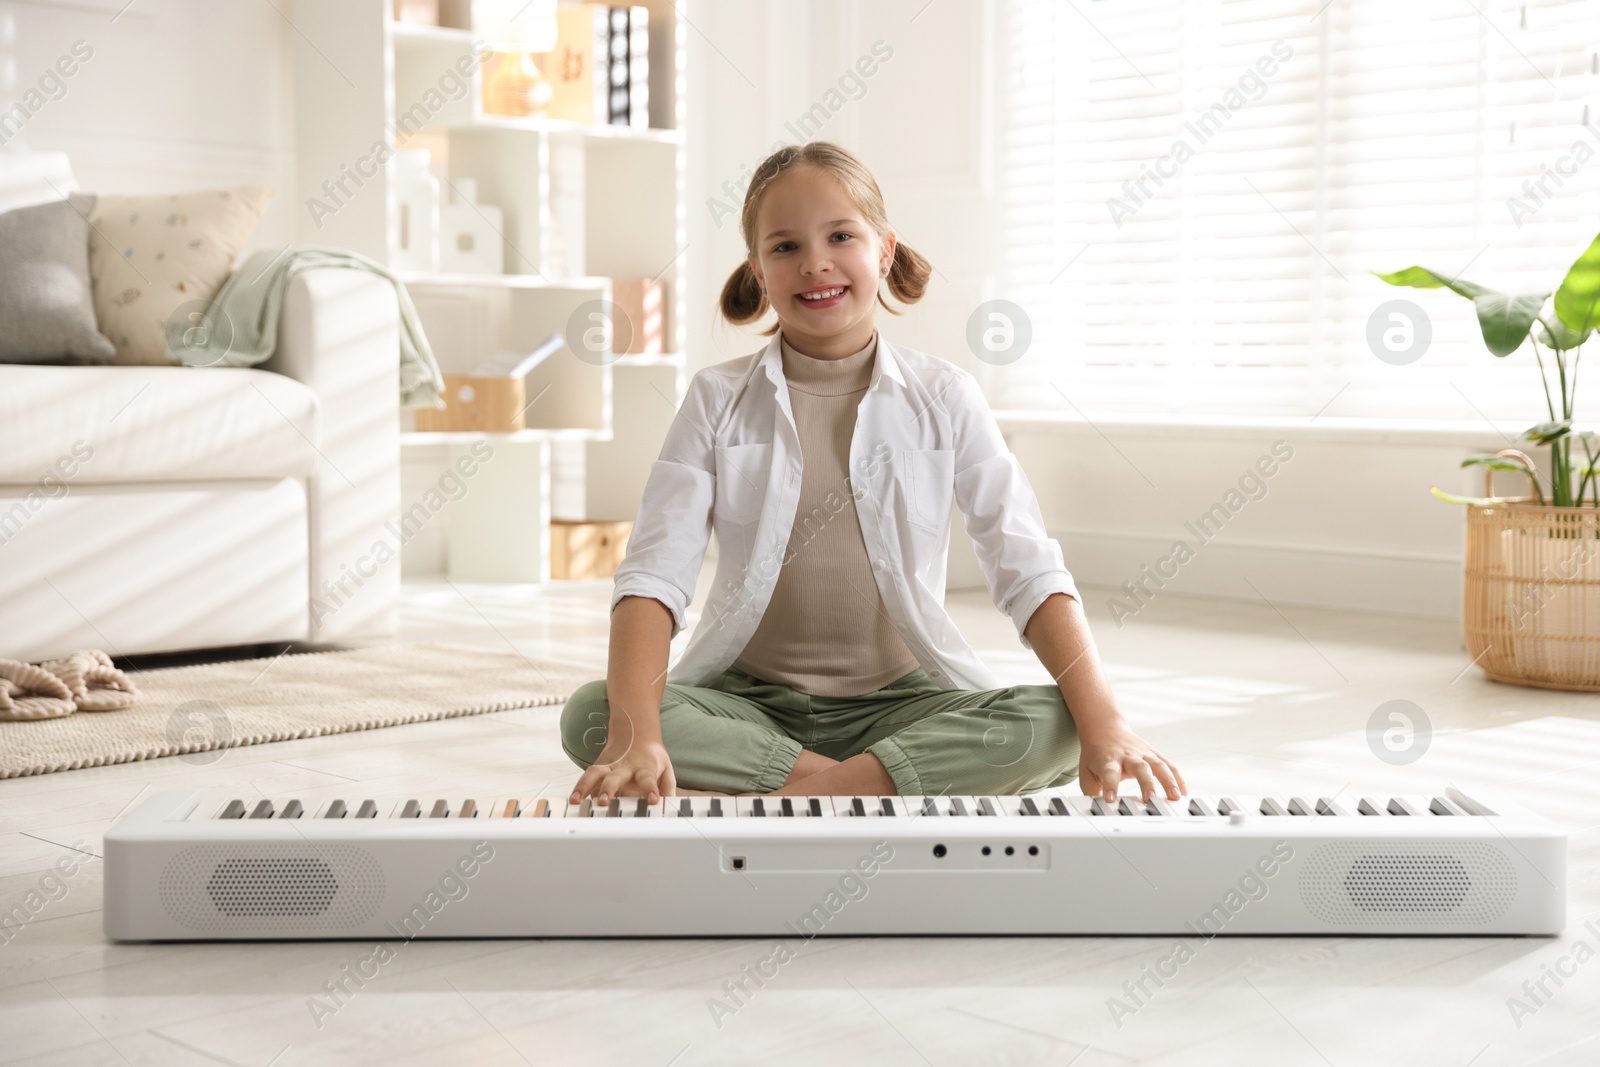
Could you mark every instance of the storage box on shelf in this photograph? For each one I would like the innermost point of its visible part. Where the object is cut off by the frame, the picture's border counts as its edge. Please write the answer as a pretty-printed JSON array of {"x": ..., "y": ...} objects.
[{"x": 591, "y": 221}]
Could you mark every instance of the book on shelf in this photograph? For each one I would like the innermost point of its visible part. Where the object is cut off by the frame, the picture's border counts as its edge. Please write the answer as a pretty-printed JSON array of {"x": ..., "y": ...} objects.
[{"x": 600, "y": 69}]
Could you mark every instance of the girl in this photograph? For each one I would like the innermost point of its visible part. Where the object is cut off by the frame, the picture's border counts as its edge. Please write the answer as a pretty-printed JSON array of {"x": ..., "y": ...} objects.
[{"x": 824, "y": 662}]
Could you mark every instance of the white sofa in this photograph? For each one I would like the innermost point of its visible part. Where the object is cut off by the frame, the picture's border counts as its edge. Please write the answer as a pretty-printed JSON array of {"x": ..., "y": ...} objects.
[{"x": 156, "y": 509}]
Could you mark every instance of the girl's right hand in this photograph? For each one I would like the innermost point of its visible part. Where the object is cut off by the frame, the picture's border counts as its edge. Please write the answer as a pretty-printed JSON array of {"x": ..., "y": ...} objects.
[{"x": 640, "y": 770}]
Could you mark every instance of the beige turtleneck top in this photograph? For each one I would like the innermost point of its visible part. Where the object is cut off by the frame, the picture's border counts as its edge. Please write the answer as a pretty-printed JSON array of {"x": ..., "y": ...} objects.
[{"x": 825, "y": 631}]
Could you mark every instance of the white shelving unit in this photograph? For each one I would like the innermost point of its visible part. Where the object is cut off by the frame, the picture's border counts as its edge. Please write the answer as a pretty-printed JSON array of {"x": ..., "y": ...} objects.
[{"x": 581, "y": 205}]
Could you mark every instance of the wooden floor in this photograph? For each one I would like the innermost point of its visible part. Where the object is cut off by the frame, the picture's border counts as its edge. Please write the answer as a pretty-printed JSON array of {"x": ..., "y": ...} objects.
[{"x": 1247, "y": 698}]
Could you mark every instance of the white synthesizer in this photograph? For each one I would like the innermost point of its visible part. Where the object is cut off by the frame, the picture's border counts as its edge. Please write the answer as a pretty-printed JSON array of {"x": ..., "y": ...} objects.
[{"x": 187, "y": 866}]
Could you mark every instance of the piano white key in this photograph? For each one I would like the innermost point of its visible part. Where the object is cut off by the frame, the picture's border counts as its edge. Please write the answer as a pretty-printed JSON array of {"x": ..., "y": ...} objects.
[
  {"x": 638, "y": 808},
  {"x": 1009, "y": 805},
  {"x": 1081, "y": 805}
]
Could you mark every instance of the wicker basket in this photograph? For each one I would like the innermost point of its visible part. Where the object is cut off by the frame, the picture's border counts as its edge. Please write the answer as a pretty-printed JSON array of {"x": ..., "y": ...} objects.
[{"x": 1531, "y": 605}]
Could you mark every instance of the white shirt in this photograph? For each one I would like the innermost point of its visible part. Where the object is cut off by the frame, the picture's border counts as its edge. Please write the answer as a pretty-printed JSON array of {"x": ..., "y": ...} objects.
[{"x": 924, "y": 437}]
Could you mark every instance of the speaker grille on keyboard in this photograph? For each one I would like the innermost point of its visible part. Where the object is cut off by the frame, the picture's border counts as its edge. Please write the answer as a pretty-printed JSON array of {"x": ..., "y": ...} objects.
[
  {"x": 221, "y": 887},
  {"x": 1353, "y": 883}
]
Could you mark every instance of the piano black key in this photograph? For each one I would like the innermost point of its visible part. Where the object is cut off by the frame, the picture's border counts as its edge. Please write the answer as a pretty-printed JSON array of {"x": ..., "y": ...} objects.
[
  {"x": 1098, "y": 806},
  {"x": 1029, "y": 807},
  {"x": 1272, "y": 806},
  {"x": 1368, "y": 806},
  {"x": 234, "y": 810},
  {"x": 262, "y": 810},
  {"x": 685, "y": 808},
  {"x": 986, "y": 806},
  {"x": 886, "y": 806},
  {"x": 1329, "y": 806},
  {"x": 641, "y": 810},
  {"x": 368, "y": 810},
  {"x": 958, "y": 807},
  {"x": 758, "y": 808},
  {"x": 441, "y": 809},
  {"x": 511, "y": 810},
  {"x": 858, "y": 807},
  {"x": 613, "y": 809},
  {"x": 929, "y": 807},
  {"x": 816, "y": 807},
  {"x": 1299, "y": 806},
  {"x": 412, "y": 810},
  {"x": 1059, "y": 807},
  {"x": 541, "y": 808},
  {"x": 1227, "y": 806},
  {"x": 716, "y": 807},
  {"x": 292, "y": 810},
  {"x": 1446, "y": 806},
  {"x": 1130, "y": 806},
  {"x": 1198, "y": 806},
  {"x": 787, "y": 807},
  {"x": 469, "y": 810},
  {"x": 336, "y": 810}
]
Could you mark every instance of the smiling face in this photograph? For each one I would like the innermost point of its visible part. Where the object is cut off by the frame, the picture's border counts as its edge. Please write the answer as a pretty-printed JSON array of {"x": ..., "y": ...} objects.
[{"x": 811, "y": 238}]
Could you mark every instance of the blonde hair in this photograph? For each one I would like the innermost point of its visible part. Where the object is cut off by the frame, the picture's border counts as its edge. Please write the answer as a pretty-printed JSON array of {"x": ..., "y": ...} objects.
[{"x": 743, "y": 301}]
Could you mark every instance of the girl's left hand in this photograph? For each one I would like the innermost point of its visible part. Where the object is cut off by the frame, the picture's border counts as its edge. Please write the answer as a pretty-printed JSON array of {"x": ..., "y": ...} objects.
[{"x": 1110, "y": 754}]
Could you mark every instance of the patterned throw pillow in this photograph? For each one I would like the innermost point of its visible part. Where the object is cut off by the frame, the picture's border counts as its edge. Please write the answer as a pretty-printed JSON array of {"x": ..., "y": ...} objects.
[{"x": 154, "y": 260}]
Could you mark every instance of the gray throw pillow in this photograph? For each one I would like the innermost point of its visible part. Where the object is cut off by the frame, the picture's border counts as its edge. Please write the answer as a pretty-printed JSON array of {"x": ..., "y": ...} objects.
[{"x": 46, "y": 303}]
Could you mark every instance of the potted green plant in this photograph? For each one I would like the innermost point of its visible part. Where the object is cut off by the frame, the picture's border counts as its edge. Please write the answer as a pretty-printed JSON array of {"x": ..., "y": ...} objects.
[{"x": 1531, "y": 610}]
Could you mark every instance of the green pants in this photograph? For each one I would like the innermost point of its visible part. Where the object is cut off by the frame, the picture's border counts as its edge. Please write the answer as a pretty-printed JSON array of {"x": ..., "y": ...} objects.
[{"x": 739, "y": 734}]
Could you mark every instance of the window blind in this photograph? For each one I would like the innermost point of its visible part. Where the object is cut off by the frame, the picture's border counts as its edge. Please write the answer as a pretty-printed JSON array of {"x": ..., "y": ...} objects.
[{"x": 1194, "y": 194}]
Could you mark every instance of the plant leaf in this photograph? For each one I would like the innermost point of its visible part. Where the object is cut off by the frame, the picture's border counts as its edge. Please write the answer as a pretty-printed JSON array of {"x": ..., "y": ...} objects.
[
  {"x": 1505, "y": 320},
  {"x": 1546, "y": 432},
  {"x": 1494, "y": 462},
  {"x": 1476, "y": 501},
  {"x": 1423, "y": 278},
  {"x": 1578, "y": 298},
  {"x": 1553, "y": 333}
]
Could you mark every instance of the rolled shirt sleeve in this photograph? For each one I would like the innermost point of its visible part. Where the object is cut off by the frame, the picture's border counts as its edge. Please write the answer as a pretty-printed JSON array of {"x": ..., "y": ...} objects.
[
  {"x": 1022, "y": 564},
  {"x": 669, "y": 538}
]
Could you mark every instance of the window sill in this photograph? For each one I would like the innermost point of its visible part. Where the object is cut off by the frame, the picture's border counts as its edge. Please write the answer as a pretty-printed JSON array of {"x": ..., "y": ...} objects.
[{"x": 1477, "y": 434}]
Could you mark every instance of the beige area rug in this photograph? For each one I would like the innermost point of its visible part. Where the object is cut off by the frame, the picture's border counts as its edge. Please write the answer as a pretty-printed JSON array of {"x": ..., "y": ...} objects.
[{"x": 247, "y": 702}]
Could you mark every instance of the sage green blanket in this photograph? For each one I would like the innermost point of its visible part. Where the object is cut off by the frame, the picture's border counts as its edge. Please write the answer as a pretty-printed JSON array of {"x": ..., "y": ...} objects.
[{"x": 241, "y": 326}]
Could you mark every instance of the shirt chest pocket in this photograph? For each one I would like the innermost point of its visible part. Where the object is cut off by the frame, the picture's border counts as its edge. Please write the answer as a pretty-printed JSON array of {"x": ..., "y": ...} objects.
[
  {"x": 742, "y": 473},
  {"x": 929, "y": 482}
]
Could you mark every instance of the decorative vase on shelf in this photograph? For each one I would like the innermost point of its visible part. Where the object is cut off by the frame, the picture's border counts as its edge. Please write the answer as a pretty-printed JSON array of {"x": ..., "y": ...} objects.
[
  {"x": 469, "y": 233},
  {"x": 414, "y": 242}
]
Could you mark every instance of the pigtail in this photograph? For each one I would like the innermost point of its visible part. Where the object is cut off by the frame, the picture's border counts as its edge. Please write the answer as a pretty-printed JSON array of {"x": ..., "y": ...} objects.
[
  {"x": 908, "y": 276},
  {"x": 742, "y": 300}
]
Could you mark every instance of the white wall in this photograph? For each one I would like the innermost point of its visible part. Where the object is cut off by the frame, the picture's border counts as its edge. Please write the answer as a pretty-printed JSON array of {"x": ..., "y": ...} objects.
[
  {"x": 1348, "y": 522},
  {"x": 178, "y": 95}
]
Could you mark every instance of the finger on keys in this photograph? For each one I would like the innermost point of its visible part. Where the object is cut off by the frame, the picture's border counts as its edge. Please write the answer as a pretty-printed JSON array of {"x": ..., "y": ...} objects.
[
  {"x": 1168, "y": 775},
  {"x": 1147, "y": 780}
]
